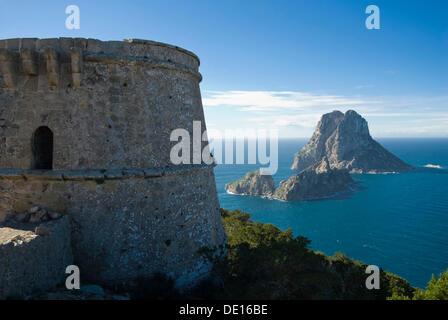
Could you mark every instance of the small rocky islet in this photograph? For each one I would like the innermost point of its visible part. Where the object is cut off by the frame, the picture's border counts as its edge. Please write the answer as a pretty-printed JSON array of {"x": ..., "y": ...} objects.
[
  {"x": 341, "y": 144},
  {"x": 253, "y": 183},
  {"x": 317, "y": 181}
]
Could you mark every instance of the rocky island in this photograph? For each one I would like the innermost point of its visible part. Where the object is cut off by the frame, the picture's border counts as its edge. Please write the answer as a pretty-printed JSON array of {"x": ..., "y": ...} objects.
[
  {"x": 340, "y": 145},
  {"x": 253, "y": 183},
  {"x": 317, "y": 181},
  {"x": 344, "y": 139}
]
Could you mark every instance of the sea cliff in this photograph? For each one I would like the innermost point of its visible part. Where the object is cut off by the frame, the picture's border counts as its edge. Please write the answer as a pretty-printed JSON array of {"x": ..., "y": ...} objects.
[{"x": 344, "y": 139}]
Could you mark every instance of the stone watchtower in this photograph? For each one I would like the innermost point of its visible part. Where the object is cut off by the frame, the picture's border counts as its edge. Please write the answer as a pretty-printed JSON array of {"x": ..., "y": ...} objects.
[{"x": 85, "y": 130}]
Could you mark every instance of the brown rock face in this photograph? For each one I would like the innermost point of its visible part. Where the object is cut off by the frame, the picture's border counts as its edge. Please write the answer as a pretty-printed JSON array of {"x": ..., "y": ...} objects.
[
  {"x": 253, "y": 184},
  {"x": 346, "y": 142},
  {"x": 315, "y": 182}
]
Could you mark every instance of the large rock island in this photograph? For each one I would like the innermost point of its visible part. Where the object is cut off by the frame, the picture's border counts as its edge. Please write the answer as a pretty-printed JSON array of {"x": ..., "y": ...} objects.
[
  {"x": 317, "y": 181},
  {"x": 344, "y": 139}
]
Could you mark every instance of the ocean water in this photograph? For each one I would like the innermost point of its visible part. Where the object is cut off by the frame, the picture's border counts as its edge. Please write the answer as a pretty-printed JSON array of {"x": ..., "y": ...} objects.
[{"x": 398, "y": 222}]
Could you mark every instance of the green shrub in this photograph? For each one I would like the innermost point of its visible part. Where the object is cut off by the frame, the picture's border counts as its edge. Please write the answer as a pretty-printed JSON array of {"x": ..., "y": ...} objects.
[
  {"x": 437, "y": 289},
  {"x": 263, "y": 262}
]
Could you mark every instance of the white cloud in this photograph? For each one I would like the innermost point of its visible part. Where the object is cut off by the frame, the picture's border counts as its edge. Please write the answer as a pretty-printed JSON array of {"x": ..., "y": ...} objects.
[
  {"x": 301, "y": 120},
  {"x": 297, "y": 113},
  {"x": 275, "y": 100}
]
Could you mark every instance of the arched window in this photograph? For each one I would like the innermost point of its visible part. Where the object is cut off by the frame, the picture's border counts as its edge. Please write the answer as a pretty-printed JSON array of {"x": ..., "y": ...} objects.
[{"x": 43, "y": 149}]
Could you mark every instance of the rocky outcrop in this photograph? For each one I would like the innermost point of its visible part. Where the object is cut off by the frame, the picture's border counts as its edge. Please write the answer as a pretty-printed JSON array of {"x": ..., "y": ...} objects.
[
  {"x": 254, "y": 184},
  {"x": 344, "y": 139},
  {"x": 33, "y": 255},
  {"x": 315, "y": 149},
  {"x": 36, "y": 215},
  {"x": 317, "y": 181}
]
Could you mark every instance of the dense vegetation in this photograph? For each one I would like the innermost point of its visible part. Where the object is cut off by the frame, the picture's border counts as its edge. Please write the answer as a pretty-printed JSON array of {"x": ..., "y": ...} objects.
[
  {"x": 437, "y": 289},
  {"x": 263, "y": 262}
]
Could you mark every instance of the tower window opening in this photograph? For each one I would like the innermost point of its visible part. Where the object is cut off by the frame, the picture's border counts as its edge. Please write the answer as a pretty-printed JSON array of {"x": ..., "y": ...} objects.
[{"x": 43, "y": 149}]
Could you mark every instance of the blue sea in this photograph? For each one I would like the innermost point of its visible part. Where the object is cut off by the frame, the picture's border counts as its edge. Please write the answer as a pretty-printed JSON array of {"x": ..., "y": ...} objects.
[{"x": 398, "y": 222}]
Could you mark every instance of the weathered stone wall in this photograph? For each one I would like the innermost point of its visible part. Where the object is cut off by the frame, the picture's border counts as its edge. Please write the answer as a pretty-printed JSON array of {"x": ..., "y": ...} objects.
[
  {"x": 128, "y": 224},
  {"x": 30, "y": 262},
  {"x": 111, "y": 107}
]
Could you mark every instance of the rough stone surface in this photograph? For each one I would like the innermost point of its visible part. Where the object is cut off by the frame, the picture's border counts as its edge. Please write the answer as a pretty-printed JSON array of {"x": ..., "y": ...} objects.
[
  {"x": 31, "y": 262},
  {"x": 317, "y": 181},
  {"x": 111, "y": 107},
  {"x": 346, "y": 142},
  {"x": 132, "y": 227},
  {"x": 42, "y": 231},
  {"x": 253, "y": 183},
  {"x": 132, "y": 96}
]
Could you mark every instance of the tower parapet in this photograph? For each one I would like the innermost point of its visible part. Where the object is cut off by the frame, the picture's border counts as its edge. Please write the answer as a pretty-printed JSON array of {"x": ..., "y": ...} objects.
[{"x": 61, "y": 59}]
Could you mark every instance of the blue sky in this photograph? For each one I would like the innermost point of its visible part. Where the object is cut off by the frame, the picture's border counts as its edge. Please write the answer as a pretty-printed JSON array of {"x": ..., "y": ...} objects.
[{"x": 281, "y": 64}]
